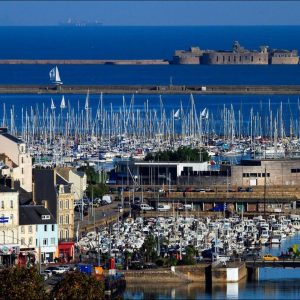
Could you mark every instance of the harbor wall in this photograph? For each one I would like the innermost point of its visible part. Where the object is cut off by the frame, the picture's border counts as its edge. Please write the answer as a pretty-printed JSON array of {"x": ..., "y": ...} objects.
[
  {"x": 193, "y": 273},
  {"x": 153, "y": 89},
  {"x": 232, "y": 273}
]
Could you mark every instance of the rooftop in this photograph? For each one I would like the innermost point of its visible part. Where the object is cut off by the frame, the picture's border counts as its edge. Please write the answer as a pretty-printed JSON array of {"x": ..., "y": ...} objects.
[{"x": 32, "y": 215}]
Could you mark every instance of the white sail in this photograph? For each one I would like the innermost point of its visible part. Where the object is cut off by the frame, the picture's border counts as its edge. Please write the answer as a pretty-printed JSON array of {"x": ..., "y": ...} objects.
[
  {"x": 63, "y": 103},
  {"x": 54, "y": 76},
  {"x": 87, "y": 100},
  {"x": 204, "y": 113},
  {"x": 176, "y": 114},
  {"x": 52, "y": 104}
]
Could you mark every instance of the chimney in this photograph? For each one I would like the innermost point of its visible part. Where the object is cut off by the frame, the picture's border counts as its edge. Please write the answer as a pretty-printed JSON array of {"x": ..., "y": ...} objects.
[{"x": 45, "y": 203}]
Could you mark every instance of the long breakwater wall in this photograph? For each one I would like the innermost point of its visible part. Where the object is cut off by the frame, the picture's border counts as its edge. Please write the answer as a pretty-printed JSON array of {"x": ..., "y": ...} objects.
[
  {"x": 83, "y": 62},
  {"x": 152, "y": 89}
]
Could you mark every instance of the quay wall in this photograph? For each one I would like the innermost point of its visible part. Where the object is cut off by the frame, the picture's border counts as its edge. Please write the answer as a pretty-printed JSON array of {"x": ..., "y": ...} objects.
[
  {"x": 284, "y": 60},
  {"x": 193, "y": 273}
]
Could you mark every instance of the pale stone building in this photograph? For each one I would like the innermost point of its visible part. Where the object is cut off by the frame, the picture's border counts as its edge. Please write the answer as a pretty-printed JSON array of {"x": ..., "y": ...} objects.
[
  {"x": 9, "y": 222},
  {"x": 14, "y": 154}
]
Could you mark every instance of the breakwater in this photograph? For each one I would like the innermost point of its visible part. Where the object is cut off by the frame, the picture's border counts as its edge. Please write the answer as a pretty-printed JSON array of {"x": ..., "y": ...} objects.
[
  {"x": 83, "y": 62},
  {"x": 153, "y": 89}
]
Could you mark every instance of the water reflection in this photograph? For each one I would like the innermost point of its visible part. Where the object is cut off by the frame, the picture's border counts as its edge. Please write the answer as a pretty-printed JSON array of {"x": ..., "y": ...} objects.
[{"x": 273, "y": 283}]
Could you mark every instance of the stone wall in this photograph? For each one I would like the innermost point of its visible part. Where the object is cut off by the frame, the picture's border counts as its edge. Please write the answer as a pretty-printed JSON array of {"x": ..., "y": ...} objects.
[
  {"x": 231, "y": 58},
  {"x": 284, "y": 60}
]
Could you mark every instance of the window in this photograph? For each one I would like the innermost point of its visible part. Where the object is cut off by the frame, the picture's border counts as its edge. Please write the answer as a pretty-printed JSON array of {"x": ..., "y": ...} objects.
[
  {"x": 22, "y": 241},
  {"x": 11, "y": 204},
  {"x": 45, "y": 217},
  {"x": 61, "y": 235},
  {"x": 52, "y": 241},
  {"x": 67, "y": 204},
  {"x": 22, "y": 229},
  {"x": 45, "y": 242},
  {"x": 67, "y": 234},
  {"x": 61, "y": 219},
  {"x": 45, "y": 228},
  {"x": 67, "y": 219},
  {"x": 22, "y": 170},
  {"x": 53, "y": 227},
  {"x": 251, "y": 58},
  {"x": 30, "y": 241},
  {"x": 61, "y": 204},
  {"x": 30, "y": 229},
  {"x": 253, "y": 174},
  {"x": 12, "y": 218},
  {"x": 22, "y": 160},
  {"x": 2, "y": 204}
]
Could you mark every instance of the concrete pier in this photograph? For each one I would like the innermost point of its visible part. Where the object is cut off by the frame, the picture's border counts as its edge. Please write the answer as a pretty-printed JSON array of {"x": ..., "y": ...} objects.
[
  {"x": 229, "y": 272},
  {"x": 153, "y": 89}
]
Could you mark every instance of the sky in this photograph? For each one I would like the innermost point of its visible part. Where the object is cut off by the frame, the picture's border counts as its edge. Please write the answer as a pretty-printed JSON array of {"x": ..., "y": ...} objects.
[{"x": 151, "y": 13}]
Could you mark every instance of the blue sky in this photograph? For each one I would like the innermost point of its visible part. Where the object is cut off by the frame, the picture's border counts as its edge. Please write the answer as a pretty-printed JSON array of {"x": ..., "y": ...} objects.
[{"x": 152, "y": 12}]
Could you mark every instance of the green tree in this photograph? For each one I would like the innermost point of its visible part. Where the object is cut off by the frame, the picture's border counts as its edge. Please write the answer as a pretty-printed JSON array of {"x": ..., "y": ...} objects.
[
  {"x": 77, "y": 285},
  {"x": 92, "y": 177},
  {"x": 97, "y": 190},
  {"x": 149, "y": 248},
  {"x": 21, "y": 283},
  {"x": 182, "y": 154},
  {"x": 189, "y": 258}
]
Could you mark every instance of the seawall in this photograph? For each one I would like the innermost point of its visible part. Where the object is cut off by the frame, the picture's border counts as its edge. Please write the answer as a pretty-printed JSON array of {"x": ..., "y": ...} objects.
[
  {"x": 153, "y": 89},
  {"x": 83, "y": 62}
]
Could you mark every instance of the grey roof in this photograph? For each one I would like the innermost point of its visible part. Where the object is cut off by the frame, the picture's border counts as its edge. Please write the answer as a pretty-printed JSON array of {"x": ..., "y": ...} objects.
[
  {"x": 12, "y": 138},
  {"x": 32, "y": 215},
  {"x": 6, "y": 189},
  {"x": 44, "y": 188},
  {"x": 61, "y": 180}
]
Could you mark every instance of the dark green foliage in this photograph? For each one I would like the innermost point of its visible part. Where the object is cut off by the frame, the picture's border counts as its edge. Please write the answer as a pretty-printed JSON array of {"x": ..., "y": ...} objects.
[
  {"x": 182, "y": 154},
  {"x": 189, "y": 258},
  {"x": 21, "y": 283},
  {"x": 78, "y": 285},
  {"x": 92, "y": 176},
  {"x": 148, "y": 250},
  {"x": 97, "y": 190}
]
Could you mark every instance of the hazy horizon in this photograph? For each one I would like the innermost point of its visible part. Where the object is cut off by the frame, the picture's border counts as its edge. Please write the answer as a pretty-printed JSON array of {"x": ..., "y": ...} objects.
[{"x": 151, "y": 13}]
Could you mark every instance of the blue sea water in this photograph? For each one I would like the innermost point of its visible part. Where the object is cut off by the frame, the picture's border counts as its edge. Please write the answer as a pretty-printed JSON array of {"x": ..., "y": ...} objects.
[{"x": 108, "y": 42}]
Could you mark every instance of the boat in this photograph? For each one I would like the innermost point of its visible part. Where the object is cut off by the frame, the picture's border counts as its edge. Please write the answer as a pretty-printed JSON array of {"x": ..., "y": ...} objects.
[{"x": 54, "y": 76}]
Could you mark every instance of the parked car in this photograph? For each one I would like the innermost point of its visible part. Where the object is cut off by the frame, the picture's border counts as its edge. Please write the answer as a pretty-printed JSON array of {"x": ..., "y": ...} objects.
[
  {"x": 44, "y": 275},
  {"x": 56, "y": 270},
  {"x": 241, "y": 189},
  {"x": 249, "y": 189},
  {"x": 163, "y": 207},
  {"x": 48, "y": 272},
  {"x": 144, "y": 206},
  {"x": 269, "y": 257}
]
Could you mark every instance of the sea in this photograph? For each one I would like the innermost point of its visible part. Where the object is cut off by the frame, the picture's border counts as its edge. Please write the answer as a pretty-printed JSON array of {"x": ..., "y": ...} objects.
[{"x": 104, "y": 42}]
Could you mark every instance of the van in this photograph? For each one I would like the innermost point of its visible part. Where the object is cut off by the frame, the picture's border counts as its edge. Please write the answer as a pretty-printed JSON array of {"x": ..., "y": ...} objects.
[{"x": 107, "y": 199}]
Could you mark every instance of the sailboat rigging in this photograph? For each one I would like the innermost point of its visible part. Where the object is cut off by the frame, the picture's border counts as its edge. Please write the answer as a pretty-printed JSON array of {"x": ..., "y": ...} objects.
[{"x": 54, "y": 76}]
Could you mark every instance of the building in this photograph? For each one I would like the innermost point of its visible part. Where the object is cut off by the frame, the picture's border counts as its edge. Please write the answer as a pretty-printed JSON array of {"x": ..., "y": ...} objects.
[
  {"x": 78, "y": 180},
  {"x": 38, "y": 233},
  {"x": 147, "y": 172},
  {"x": 53, "y": 191},
  {"x": 9, "y": 222},
  {"x": 276, "y": 172},
  {"x": 14, "y": 154},
  {"x": 237, "y": 56}
]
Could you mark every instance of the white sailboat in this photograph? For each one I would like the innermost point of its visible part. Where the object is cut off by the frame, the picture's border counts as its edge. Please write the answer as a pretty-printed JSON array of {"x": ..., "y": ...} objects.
[
  {"x": 177, "y": 115},
  {"x": 52, "y": 104},
  {"x": 54, "y": 76}
]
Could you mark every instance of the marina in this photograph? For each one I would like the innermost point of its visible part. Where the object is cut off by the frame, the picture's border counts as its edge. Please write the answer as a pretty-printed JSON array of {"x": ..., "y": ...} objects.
[{"x": 181, "y": 180}]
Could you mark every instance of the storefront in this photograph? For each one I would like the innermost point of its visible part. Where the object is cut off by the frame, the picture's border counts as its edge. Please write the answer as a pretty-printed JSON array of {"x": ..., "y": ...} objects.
[
  {"x": 9, "y": 254},
  {"x": 66, "y": 251}
]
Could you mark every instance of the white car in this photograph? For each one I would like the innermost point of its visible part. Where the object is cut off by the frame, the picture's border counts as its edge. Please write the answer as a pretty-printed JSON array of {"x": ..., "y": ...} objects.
[
  {"x": 163, "y": 207},
  {"x": 144, "y": 206}
]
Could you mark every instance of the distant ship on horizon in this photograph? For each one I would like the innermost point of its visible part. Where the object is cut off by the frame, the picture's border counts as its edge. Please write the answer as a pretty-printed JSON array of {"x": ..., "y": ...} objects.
[{"x": 80, "y": 23}]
